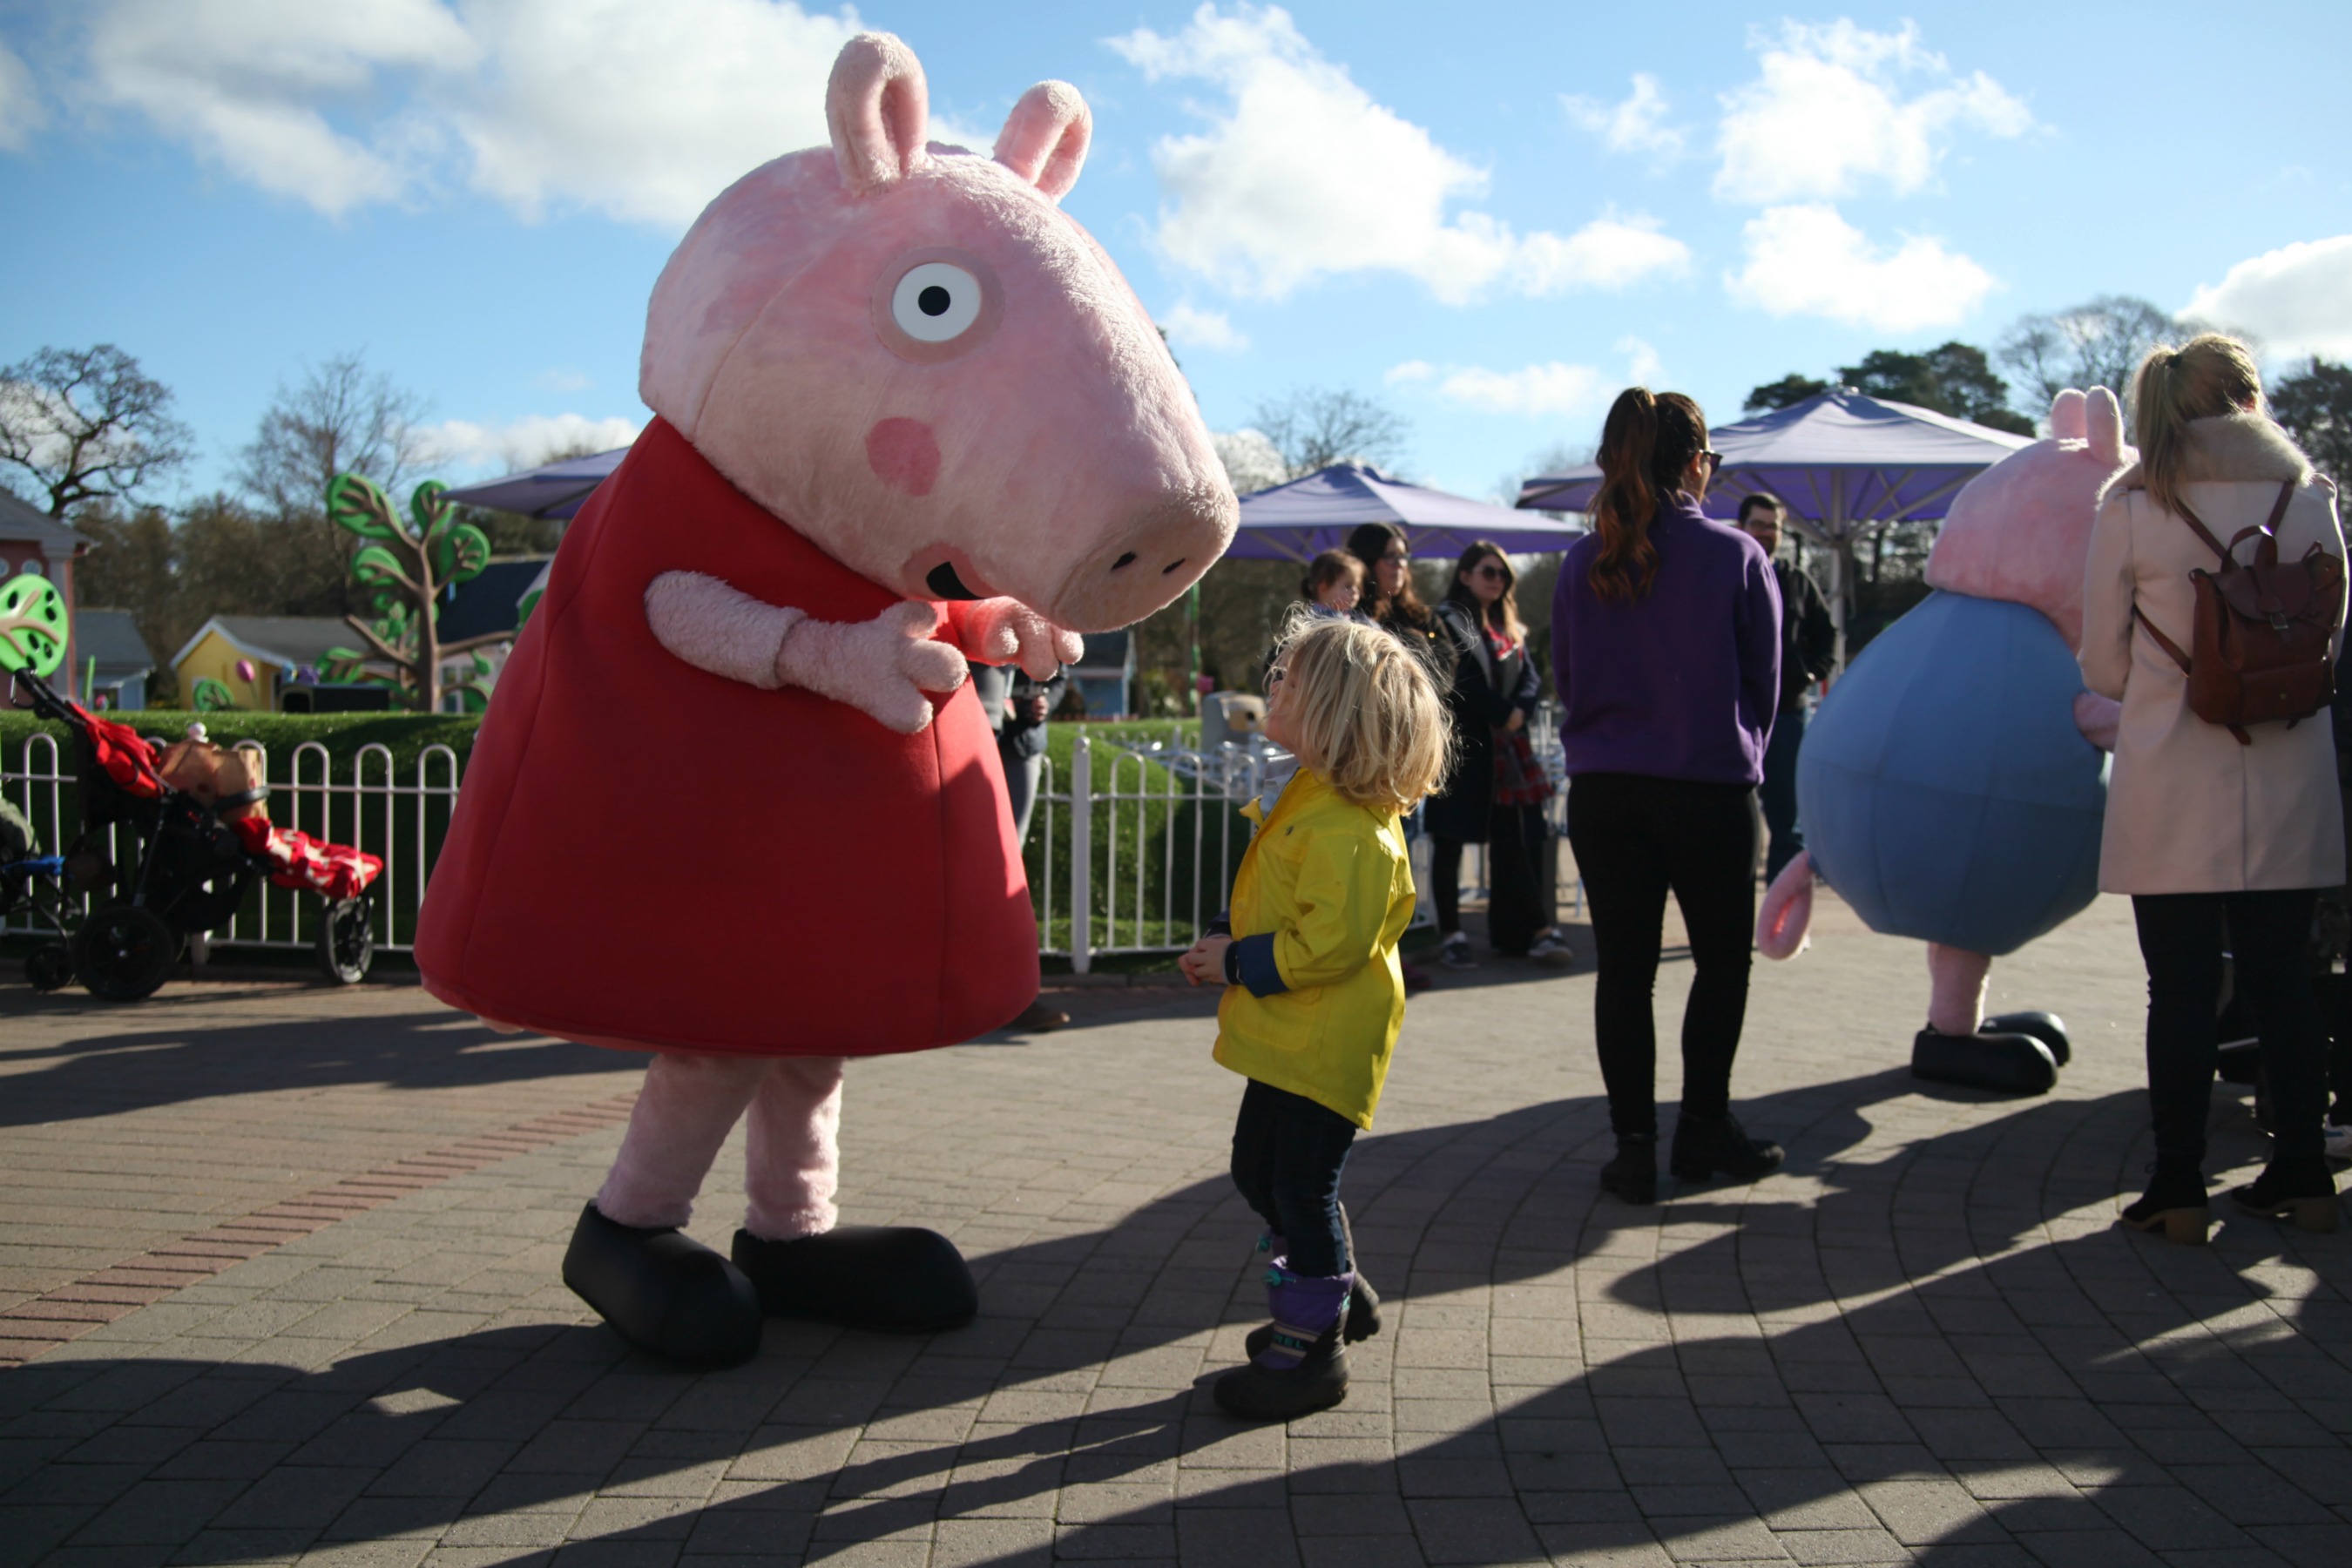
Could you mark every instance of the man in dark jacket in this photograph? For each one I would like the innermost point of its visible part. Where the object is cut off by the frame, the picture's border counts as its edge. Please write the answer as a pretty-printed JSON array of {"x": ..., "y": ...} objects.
[
  {"x": 1016, "y": 707},
  {"x": 1808, "y": 648}
]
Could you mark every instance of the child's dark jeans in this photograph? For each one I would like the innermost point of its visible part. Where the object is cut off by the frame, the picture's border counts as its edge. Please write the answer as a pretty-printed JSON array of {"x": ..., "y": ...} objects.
[{"x": 1288, "y": 1153}]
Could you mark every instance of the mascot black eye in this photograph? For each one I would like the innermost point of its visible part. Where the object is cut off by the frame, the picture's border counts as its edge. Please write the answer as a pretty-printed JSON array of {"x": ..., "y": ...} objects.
[{"x": 936, "y": 302}]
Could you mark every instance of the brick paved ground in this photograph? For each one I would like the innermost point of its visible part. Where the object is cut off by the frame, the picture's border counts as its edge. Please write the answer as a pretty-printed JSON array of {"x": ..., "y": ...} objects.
[{"x": 1923, "y": 1344}]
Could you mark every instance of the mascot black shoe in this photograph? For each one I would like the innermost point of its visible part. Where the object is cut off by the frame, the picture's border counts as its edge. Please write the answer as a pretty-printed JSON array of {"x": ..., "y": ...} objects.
[
  {"x": 2002, "y": 1062},
  {"x": 664, "y": 1291},
  {"x": 892, "y": 1278}
]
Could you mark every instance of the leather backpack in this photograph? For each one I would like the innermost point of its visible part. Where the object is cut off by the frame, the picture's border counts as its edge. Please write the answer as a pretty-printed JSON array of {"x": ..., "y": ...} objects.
[{"x": 2262, "y": 645}]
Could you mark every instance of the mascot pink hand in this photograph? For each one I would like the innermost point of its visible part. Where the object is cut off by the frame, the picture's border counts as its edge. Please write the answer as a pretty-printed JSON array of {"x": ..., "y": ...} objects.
[
  {"x": 1783, "y": 925},
  {"x": 882, "y": 668},
  {"x": 1003, "y": 629},
  {"x": 2098, "y": 718}
]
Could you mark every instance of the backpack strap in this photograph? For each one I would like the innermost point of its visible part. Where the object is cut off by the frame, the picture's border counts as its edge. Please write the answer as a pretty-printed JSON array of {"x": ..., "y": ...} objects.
[
  {"x": 2180, "y": 658},
  {"x": 2270, "y": 524}
]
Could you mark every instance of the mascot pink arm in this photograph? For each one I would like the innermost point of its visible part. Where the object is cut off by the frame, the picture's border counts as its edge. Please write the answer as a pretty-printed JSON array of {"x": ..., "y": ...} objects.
[{"x": 909, "y": 415}]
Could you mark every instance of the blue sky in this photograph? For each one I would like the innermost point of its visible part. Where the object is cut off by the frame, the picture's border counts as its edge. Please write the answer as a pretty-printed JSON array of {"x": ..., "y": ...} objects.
[{"x": 1488, "y": 215}]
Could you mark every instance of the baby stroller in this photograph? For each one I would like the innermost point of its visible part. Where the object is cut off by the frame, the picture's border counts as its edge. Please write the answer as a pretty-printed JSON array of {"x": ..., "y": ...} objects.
[{"x": 199, "y": 850}]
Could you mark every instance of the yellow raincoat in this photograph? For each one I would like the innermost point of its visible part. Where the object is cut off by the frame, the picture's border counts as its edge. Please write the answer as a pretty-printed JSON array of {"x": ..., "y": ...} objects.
[{"x": 1331, "y": 883}]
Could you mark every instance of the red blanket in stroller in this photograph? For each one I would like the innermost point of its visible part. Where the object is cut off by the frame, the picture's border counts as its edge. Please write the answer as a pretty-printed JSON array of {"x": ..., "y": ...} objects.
[{"x": 305, "y": 864}]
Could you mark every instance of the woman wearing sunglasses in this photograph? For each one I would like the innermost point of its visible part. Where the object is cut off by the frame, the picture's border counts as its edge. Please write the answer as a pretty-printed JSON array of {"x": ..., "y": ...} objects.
[
  {"x": 1666, "y": 657},
  {"x": 1496, "y": 793}
]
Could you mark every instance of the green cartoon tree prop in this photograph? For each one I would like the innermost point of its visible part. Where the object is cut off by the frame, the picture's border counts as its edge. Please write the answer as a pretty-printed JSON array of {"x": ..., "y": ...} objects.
[
  {"x": 32, "y": 625},
  {"x": 406, "y": 565}
]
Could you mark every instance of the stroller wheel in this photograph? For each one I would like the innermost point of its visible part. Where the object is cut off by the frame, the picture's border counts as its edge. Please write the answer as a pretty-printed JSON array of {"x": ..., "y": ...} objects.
[
  {"x": 124, "y": 953},
  {"x": 346, "y": 941},
  {"x": 49, "y": 968}
]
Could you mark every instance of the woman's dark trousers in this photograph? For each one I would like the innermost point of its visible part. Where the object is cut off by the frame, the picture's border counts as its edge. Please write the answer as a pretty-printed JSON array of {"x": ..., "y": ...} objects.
[
  {"x": 1517, "y": 839},
  {"x": 1288, "y": 1154},
  {"x": 1636, "y": 838},
  {"x": 2268, "y": 937},
  {"x": 1446, "y": 881}
]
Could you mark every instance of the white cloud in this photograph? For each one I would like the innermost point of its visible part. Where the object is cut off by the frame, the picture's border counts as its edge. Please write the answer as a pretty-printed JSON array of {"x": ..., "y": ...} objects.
[
  {"x": 1532, "y": 390},
  {"x": 2296, "y": 299},
  {"x": 1637, "y": 125},
  {"x": 564, "y": 380},
  {"x": 1303, "y": 175},
  {"x": 642, "y": 110},
  {"x": 247, "y": 84},
  {"x": 1643, "y": 366},
  {"x": 1192, "y": 328},
  {"x": 1827, "y": 116},
  {"x": 21, "y": 113},
  {"x": 525, "y": 442},
  {"x": 1807, "y": 260}
]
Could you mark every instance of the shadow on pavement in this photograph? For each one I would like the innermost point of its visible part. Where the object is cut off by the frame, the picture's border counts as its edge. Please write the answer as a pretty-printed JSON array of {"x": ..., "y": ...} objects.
[{"x": 1926, "y": 1322}]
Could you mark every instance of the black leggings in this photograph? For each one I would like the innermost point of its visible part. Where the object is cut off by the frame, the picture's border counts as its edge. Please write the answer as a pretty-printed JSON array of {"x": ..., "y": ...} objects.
[
  {"x": 1635, "y": 839},
  {"x": 1516, "y": 908},
  {"x": 2268, "y": 936},
  {"x": 1288, "y": 1152}
]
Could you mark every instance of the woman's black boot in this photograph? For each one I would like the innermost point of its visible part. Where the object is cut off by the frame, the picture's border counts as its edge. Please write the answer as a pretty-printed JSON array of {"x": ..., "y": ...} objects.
[
  {"x": 1633, "y": 1176},
  {"x": 1704, "y": 1148},
  {"x": 2300, "y": 1190},
  {"x": 2174, "y": 1203}
]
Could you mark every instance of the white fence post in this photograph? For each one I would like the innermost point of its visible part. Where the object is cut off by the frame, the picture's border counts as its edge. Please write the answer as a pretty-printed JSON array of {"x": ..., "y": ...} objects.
[{"x": 1082, "y": 854}]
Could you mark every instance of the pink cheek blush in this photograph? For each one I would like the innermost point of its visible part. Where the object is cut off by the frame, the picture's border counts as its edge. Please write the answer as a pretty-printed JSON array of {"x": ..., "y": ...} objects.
[{"x": 904, "y": 455}]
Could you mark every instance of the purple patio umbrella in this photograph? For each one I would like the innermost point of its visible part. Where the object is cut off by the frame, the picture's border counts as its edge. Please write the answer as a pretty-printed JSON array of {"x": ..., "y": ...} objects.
[
  {"x": 554, "y": 490},
  {"x": 1844, "y": 465},
  {"x": 1298, "y": 521}
]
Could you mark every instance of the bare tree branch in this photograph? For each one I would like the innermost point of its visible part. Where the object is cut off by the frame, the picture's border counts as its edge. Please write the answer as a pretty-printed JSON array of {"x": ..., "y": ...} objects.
[
  {"x": 1315, "y": 427},
  {"x": 86, "y": 425}
]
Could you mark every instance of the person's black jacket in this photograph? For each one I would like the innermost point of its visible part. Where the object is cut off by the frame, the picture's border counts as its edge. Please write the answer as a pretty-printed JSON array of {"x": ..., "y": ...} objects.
[
  {"x": 1808, "y": 636},
  {"x": 1017, "y": 735},
  {"x": 1485, "y": 692}
]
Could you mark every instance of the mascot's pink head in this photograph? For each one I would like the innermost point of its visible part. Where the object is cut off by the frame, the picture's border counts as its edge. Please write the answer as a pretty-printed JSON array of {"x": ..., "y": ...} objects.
[
  {"x": 910, "y": 354},
  {"x": 2021, "y": 529}
]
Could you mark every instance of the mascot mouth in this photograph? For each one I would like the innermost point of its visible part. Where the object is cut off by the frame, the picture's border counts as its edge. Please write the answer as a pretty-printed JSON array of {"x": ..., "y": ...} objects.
[{"x": 943, "y": 581}]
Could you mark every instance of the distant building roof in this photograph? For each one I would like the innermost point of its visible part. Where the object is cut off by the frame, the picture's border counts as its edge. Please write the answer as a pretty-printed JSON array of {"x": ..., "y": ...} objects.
[
  {"x": 291, "y": 640},
  {"x": 488, "y": 603},
  {"x": 21, "y": 521},
  {"x": 111, "y": 637}
]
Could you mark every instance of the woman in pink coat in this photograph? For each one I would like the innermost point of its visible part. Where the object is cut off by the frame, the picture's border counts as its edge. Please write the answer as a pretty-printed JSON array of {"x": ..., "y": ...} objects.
[{"x": 2221, "y": 842}]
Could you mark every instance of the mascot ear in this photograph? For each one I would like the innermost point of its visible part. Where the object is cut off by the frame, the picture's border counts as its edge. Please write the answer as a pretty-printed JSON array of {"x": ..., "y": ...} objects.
[
  {"x": 1045, "y": 137},
  {"x": 879, "y": 108},
  {"x": 2066, "y": 417},
  {"x": 2105, "y": 417}
]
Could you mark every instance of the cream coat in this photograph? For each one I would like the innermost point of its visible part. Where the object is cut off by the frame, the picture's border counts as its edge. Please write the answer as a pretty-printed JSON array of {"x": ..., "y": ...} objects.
[{"x": 2190, "y": 810}]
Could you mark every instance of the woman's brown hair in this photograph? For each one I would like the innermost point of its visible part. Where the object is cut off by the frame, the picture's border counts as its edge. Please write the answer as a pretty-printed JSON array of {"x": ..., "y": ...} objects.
[
  {"x": 1368, "y": 543},
  {"x": 1646, "y": 443},
  {"x": 2208, "y": 376},
  {"x": 1503, "y": 614}
]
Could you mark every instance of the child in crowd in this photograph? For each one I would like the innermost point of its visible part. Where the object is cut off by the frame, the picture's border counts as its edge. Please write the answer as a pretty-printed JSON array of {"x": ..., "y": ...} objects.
[
  {"x": 1334, "y": 584},
  {"x": 1314, "y": 994}
]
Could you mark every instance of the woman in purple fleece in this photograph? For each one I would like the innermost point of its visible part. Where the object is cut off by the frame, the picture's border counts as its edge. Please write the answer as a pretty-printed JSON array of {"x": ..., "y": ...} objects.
[{"x": 1667, "y": 649}]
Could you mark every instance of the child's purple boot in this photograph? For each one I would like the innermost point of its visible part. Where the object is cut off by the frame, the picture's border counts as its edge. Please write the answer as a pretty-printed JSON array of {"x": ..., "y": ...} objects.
[
  {"x": 1363, "y": 1318},
  {"x": 1303, "y": 1368}
]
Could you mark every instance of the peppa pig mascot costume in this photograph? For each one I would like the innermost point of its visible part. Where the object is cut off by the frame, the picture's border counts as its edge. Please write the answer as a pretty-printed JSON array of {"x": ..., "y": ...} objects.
[
  {"x": 907, "y": 415},
  {"x": 1953, "y": 785}
]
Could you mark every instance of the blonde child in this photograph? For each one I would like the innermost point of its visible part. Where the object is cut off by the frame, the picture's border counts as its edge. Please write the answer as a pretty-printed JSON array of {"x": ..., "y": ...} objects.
[{"x": 1314, "y": 994}]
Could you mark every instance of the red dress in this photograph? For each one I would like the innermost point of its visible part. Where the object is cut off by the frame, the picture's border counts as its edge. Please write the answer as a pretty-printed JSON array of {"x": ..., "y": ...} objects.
[{"x": 648, "y": 856}]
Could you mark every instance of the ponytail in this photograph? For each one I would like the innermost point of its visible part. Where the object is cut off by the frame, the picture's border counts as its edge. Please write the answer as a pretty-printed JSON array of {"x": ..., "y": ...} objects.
[
  {"x": 1646, "y": 442},
  {"x": 2209, "y": 375}
]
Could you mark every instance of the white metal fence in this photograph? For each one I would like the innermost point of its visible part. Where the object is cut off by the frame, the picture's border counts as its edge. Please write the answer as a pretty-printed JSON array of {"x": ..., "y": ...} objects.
[
  {"x": 370, "y": 806},
  {"x": 1146, "y": 849}
]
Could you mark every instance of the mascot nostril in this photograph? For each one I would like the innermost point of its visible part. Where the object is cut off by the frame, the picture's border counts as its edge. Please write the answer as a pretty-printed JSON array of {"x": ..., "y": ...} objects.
[
  {"x": 788, "y": 641},
  {"x": 1172, "y": 566},
  {"x": 1124, "y": 562}
]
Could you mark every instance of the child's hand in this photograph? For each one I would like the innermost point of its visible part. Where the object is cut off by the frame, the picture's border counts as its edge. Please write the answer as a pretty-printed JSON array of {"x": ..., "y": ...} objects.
[{"x": 1206, "y": 961}]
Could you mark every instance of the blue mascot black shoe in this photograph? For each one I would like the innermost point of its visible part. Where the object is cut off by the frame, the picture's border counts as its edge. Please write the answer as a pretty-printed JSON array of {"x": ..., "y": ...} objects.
[
  {"x": 664, "y": 1291},
  {"x": 2047, "y": 1027},
  {"x": 900, "y": 1280},
  {"x": 2004, "y": 1063}
]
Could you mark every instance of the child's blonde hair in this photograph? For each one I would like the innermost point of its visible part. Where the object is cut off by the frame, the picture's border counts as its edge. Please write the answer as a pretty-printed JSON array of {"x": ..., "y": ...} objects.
[{"x": 1366, "y": 711}]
